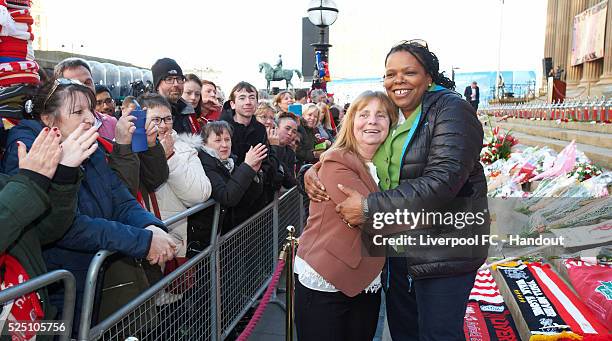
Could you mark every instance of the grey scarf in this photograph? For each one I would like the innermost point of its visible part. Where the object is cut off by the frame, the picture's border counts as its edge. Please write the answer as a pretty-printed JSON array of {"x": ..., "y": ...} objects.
[{"x": 229, "y": 163}]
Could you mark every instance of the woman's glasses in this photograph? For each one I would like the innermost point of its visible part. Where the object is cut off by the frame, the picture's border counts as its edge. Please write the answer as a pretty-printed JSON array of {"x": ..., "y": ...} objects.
[
  {"x": 158, "y": 120},
  {"x": 107, "y": 101}
]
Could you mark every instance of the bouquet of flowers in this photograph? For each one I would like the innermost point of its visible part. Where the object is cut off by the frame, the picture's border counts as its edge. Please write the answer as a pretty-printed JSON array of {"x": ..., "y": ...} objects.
[
  {"x": 498, "y": 148},
  {"x": 585, "y": 170}
]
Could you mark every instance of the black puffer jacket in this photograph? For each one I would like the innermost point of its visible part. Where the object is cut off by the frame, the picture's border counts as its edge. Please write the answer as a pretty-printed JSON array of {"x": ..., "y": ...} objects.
[
  {"x": 441, "y": 166},
  {"x": 236, "y": 192},
  {"x": 245, "y": 137}
]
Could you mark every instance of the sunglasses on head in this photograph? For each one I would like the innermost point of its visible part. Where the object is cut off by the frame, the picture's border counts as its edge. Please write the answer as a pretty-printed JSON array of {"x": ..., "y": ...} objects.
[
  {"x": 57, "y": 83},
  {"x": 414, "y": 42}
]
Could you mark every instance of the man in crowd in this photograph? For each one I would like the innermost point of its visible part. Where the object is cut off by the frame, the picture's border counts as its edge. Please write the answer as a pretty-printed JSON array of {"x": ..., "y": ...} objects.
[
  {"x": 248, "y": 132},
  {"x": 78, "y": 69},
  {"x": 104, "y": 101},
  {"x": 168, "y": 81},
  {"x": 301, "y": 96},
  {"x": 318, "y": 95},
  {"x": 472, "y": 94},
  {"x": 287, "y": 131}
]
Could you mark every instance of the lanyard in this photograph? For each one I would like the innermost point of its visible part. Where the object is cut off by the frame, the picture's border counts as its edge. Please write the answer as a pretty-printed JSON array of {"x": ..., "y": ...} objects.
[{"x": 410, "y": 135}]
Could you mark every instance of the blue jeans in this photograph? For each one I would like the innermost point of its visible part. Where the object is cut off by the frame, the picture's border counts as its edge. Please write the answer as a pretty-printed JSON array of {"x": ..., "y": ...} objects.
[{"x": 425, "y": 309}]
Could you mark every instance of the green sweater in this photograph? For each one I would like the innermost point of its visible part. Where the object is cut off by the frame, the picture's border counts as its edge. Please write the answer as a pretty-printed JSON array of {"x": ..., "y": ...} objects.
[
  {"x": 32, "y": 216},
  {"x": 388, "y": 157}
]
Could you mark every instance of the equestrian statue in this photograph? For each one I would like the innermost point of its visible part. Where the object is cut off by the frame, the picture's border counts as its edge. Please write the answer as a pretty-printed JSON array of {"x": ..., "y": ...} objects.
[{"x": 278, "y": 73}]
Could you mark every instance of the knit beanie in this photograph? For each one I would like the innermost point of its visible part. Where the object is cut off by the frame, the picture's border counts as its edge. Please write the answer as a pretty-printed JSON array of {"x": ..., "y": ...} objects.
[{"x": 163, "y": 68}]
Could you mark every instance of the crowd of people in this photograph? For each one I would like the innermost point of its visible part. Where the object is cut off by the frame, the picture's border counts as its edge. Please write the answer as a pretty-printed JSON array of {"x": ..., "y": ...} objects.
[{"x": 72, "y": 184}]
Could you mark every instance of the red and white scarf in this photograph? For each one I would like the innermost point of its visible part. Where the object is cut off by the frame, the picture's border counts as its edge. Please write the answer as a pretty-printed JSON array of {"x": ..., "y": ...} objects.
[
  {"x": 549, "y": 309},
  {"x": 24, "y": 308},
  {"x": 487, "y": 318}
]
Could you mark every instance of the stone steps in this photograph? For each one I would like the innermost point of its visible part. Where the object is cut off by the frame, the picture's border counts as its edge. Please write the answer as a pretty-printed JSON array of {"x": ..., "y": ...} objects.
[
  {"x": 595, "y": 140},
  {"x": 603, "y": 140},
  {"x": 581, "y": 126},
  {"x": 600, "y": 156}
]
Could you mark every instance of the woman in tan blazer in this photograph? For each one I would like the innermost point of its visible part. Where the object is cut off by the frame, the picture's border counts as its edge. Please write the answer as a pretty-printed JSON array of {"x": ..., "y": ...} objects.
[{"x": 337, "y": 294}]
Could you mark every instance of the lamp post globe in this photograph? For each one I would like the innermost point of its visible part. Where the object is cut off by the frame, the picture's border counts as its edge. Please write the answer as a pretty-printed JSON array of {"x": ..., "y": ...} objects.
[{"x": 322, "y": 13}]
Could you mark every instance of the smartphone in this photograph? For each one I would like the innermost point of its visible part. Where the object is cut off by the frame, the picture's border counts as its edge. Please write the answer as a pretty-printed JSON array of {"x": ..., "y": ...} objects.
[
  {"x": 296, "y": 109},
  {"x": 97, "y": 123},
  {"x": 139, "y": 139}
]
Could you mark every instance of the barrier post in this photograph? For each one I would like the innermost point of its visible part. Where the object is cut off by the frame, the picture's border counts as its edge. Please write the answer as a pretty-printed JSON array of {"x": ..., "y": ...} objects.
[
  {"x": 215, "y": 293},
  {"x": 275, "y": 231},
  {"x": 291, "y": 242},
  {"x": 90, "y": 293}
]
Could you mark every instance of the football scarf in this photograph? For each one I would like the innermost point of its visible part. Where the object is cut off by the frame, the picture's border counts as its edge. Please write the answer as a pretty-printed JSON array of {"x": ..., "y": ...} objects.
[
  {"x": 24, "y": 308},
  {"x": 487, "y": 318},
  {"x": 543, "y": 307}
]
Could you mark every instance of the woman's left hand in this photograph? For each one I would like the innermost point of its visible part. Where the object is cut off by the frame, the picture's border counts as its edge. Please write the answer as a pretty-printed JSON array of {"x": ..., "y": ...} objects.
[{"x": 350, "y": 209}]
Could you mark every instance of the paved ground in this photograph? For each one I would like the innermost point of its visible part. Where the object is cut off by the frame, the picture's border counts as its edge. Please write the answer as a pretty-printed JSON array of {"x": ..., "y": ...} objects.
[{"x": 272, "y": 325}]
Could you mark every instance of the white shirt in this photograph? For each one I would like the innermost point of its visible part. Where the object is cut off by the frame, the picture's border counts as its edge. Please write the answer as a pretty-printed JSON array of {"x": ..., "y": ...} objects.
[
  {"x": 473, "y": 94},
  {"x": 311, "y": 279}
]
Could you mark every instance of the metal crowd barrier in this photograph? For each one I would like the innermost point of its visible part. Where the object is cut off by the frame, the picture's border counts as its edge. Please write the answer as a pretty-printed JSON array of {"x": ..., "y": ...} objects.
[
  {"x": 582, "y": 109},
  {"x": 205, "y": 298},
  {"x": 41, "y": 281}
]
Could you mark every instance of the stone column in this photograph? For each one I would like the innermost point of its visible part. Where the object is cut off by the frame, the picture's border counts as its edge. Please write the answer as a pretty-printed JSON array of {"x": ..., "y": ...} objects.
[
  {"x": 592, "y": 70},
  {"x": 606, "y": 77},
  {"x": 574, "y": 73},
  {"x": 549, "y": 41},
  {"x": 563, "y": 35}
]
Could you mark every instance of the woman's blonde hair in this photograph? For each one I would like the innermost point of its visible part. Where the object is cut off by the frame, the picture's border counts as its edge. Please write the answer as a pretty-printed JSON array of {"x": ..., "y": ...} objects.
[
  {"x": 308, "y": 107},
  {"x": 324, "y": 110},
  {"x": 346, "y": 140},
  {"x": 264, "y": 107},
  {"x": 279, "y": 97}
]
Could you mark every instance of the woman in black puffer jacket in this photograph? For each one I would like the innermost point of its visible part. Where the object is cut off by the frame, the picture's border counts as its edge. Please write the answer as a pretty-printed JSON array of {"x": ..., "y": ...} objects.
[
  {"x": 429, "y": 162},
  {"x": 235, "y": 187}
]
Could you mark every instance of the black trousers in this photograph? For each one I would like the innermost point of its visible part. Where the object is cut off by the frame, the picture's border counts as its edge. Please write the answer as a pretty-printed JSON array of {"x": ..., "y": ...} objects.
[
  {"x": 426, "y": 309},
  {"x": 333, "y": 316},
  {"x": 474, "y": 104}
]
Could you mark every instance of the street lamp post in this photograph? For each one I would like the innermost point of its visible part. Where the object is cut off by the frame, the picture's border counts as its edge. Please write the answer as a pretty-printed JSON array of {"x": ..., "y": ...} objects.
[
  {"x": 453, "y": 68},
  {"x": 322, "y": 13}
]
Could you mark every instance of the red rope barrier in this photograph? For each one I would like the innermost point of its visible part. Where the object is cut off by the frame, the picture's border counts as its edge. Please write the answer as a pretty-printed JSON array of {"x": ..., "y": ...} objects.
[{"x": 264, "y": 302}]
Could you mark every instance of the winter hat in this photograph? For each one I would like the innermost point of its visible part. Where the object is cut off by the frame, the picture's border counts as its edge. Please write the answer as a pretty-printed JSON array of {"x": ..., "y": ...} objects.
[{"x": 163, "y": 68}]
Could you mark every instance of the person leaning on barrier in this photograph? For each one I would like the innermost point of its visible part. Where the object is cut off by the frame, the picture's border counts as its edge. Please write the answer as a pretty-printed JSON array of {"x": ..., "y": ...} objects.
[
  {"x": 139, "y": 171},
  {"x": 187, "y": 184},
  {"x": 235, "y": 186},
  {"x": 37, "y": 206},
  {"x": 108, "y": 217}
]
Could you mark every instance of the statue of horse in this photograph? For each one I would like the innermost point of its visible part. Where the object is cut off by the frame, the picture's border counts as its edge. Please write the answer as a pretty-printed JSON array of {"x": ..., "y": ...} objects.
[{"x": 278, "y": 75}]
